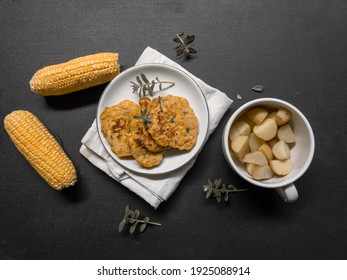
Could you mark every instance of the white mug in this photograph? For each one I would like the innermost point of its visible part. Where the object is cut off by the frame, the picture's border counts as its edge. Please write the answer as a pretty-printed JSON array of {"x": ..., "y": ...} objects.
[{"x": 301, "y": 153}]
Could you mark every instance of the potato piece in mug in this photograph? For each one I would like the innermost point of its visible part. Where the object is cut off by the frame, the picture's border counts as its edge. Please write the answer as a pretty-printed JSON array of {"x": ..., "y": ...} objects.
[
  {"x": 272, "y": 142},
  {"x": 272, "y": 115},
  {"x": 281, "y": 167},
  {"x": 255, "y": 142},
  {"x": 267, "y": 151},
  {"x": 262, "y": 172},
  {"x": 246, "y": 119},
  {"x": 283, "y": 116},
  {"x": 281, "y": 150},
  {"x": 257, "y": 114},
  {"x": 286, "y": 134},
  {"x": 239, "y": 128},
  {"x": 250, "y": 168},
  {"x": 240, "y": 146},
  {"x": 266, "y": 130},
  {"x": 256, "y": 157}
]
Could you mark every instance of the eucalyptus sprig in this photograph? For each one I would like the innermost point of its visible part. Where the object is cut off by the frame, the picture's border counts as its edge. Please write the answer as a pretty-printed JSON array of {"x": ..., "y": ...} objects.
[
  {"x": 132, "y": 217},
  {"x": 145, "y": 117},
  {"x": 144, "y": 86},
  {"x": 219, "y": 191},
  {"x": 185, "y": 45}
]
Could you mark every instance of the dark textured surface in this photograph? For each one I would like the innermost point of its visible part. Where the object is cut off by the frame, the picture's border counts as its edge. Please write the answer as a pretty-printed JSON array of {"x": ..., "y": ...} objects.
[{"x": 296, "y": 49}]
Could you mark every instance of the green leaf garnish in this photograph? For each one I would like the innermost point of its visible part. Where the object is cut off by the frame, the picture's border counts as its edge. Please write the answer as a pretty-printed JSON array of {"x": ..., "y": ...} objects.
[
  {"x": 144, "y": 85},
  {"x": 184, "y": 48},
  {"x": 132, "y": 218},
  {"x": 219, "y": 191}
]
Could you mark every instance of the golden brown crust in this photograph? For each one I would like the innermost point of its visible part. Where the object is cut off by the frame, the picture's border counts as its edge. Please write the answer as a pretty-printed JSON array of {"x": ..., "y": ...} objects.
[
  {"x": 139, "y": 152},
  {"x": 174, "y": 123},
  {"x": 125, "y": 133},
  {"x": 147, "y": 139},
  {"x": 115, "y": 125},
  {"x": 146, "y": 130}
]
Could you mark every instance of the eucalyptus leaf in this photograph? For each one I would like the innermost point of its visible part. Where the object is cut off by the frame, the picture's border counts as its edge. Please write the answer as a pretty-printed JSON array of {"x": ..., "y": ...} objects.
[
  {"x": 121, "y": 225},
  {"x": 144, "y": 78},
  {"x": 258, "y": 88},
  {"x": 137, "y": 214},
  {"x": 208, "y": 194},
  {"x": 143, "y": 227},
  {"x": 231, "y": 187},
  {"x": 192, "y": 50},
  {"x": 138, "y": 80},
  {"x": 226, "y": 196},
  {"x": 133, "y": 227},
  {"x": 131, "y": 214},
  {"x": 179, "y": 52},
  {"x": 189, "y": 39},
  {"x": 152, "y": 87},
  {"x": 217, "y": 182},
  {"x": 217, "y": 193}
]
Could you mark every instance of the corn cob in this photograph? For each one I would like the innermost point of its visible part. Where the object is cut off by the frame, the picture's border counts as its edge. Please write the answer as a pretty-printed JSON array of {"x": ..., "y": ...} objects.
[
  {"x": 40, "y": 148},
  {"x": 76, "y": 74}
]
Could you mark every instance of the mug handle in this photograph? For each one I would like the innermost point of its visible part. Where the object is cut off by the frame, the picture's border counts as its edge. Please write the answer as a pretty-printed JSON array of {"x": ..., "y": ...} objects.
[{"x": 288, "y": 193}]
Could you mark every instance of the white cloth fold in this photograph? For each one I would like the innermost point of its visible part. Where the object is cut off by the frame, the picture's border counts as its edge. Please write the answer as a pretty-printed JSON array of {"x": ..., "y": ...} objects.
[{"x": 154, "y": 189}]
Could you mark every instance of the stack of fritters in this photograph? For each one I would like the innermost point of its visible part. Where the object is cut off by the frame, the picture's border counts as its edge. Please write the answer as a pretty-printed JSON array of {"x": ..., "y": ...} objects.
[{"x": 146, "y": 130}]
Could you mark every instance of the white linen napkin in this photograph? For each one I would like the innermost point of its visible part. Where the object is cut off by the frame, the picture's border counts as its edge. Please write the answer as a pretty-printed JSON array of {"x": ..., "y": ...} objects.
[{"x": 153, "y": 188}]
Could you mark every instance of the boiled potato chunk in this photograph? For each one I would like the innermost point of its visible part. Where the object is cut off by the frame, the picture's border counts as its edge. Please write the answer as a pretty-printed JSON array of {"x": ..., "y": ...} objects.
[
  {"x": 239, "y": 128},
  {"x": 281, "y": 167},
  {"x": 257, "y": 114},
  {"x": 281, "y": 150},
  {"x": 262, "y": 172},
  {"x": 255, "y": 142},
  {"x": 286, "y": 134},
  {"x": 272, "y": 115},
  {"x": 240, "y": 146},
  {"x": 256, "y": 157},
  {"x": 267, "y": 151},
  {"x": 283, "y": 116},
  {"x": 272, "y": 142},
  {"x": 250, "y": 168},
  {"x": 266, "y": 130},
  {"x": 245, "y": 119}
]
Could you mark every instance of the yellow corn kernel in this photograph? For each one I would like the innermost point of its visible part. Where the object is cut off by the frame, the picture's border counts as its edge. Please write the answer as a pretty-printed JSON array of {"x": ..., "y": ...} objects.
[
  {"x": 76, "y": 74},
  {"x": 40, "y": 149}
]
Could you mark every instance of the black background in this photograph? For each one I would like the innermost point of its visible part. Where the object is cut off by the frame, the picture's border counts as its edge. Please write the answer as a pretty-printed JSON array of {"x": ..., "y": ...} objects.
[{"x": 296, "y": 49}]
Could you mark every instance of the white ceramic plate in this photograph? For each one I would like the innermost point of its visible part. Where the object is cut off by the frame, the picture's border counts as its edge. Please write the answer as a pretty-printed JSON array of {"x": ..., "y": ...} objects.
[{"x": 120, "y": 89}]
